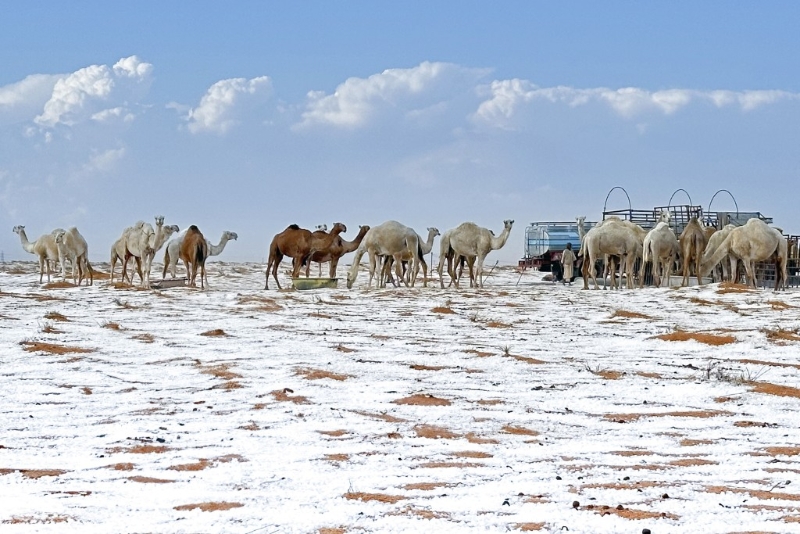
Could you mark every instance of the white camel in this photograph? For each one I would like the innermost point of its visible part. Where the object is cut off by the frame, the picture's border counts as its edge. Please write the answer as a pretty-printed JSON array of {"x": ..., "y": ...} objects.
[
  {"x": 425, "y": 248},
  {"x": 72, "y": 246},
  {"x": 729, "y": 266},
  {"x": 661, "y": 247},
  {"x": 612, "y": 237},
  {"x": 142, "y": 242},
  {"x": 173, "y": 248},
  {"x": 474, "y": 243},
  {"x": 388, "y": 239},
  {"x": 751, "y": 243},
  {"x": 44, "y": 248}
]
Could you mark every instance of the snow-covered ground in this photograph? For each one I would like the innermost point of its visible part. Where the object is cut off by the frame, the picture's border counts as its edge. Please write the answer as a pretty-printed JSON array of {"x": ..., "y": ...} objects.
[{"x": 522, "y": 406}]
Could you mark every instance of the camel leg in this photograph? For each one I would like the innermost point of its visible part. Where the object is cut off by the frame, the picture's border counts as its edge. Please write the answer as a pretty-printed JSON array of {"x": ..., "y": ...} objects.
[
  {"x": 697, "y": 261},
  {"x": 424, "y": 273},
  {"x": 333, "y": 265},
  {"x": 452, "y": 272}
]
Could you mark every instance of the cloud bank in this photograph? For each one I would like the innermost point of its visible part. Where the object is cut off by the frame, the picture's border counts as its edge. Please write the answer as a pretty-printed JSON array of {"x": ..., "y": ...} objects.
[
  {"x": 357, "y": 100},
  {"x": 505, "y": 97}
]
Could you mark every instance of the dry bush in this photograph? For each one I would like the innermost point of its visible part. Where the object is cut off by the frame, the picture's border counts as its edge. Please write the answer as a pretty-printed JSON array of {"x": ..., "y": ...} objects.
[
  {"x": 420, "y": 367},
  {"x": 112, "y": 326},
  {"x": 695, "y": 442},
  {"x": 282, "y": 395},
  {"x": 221, "y": 370},
  {"x": 199, "y": 465},
  {"x": 51, "y": 348},
  {"x": 779, "y": 336},
  {"x": 339, "y": 457},
  {"x": 58, "y": 285},
  {"x": 317, "y": 374},
  {"x": 692, "y": 462},
  {"x": 497, "y": 324},
  {"x": 139, "y": 449},
  {"x": 144, "y": 338},
  {"x": 379, "y": 497},
  {"x": 701, "y": 337},
  {"x": 48, "y": 328},
  {"x": 480, "y": 354},
  {"x": 774, "y": 389},
  {"x": 519, "y": 431},
  {"x": 333, "y": 433},
  {"x": 472, "y": 454},
  {"x": 427, "y": 486},
  {"x": 732, "y": 287},
  {"x": 423, "y": 400},
  {"x": 528, "y": 527},
  {"x": 262, "y": 303},
  {"x": 629, "y": 315},
  {"x": 434, "y": 432},
  {"x": 217, "y": 332},
  {"x": 55, "y": 316},
  {"x": 121, "y": 467},
  {"x": 477, "y": 440},
  {"x": 342, "y": 348},
  {"x": 443, "y": 310},
  {"x": 209, "y": 506},
  {"x": 150, "y": 480},
  {"x": 39, "y": 473}
]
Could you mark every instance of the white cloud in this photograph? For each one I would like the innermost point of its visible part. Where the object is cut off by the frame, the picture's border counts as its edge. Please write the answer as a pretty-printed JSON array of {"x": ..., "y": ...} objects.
[
  {"x": 80, "y": 95},
  {"x": 357, "y": 100},
  {"x": 113, "y": 114},
  {"x": 226, "y": 101},
  {"x": 102, "y": 162},
  {"x": 506, "y": 97},
  {"x": 21, "y": 100}
]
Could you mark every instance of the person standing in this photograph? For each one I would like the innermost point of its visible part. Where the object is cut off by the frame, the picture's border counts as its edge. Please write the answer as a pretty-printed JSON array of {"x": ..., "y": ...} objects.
[{"x": 567, "y": 264}]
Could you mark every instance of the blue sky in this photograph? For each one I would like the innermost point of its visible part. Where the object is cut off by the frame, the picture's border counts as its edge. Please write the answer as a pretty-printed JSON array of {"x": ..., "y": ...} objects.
[{"x": 253, "y": 116}]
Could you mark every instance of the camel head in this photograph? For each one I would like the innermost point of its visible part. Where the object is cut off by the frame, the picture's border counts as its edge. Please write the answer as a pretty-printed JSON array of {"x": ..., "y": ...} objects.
[
  {"x": 60, "y": 237},
  {"x": 580, "y": 220},
  {"x": 350, "y": 280},
  {"x": 508, "y": 223},
  {"x": 433, "y": 231},
  {"x": 231, "y": 235},
  {"x": 18, "y": 229},
  {"x": 340, "y": 227},
  {"x": 665, "y": 217},
  {"x": 171, "y": 229},
  {"x": 159, "y": 220}
]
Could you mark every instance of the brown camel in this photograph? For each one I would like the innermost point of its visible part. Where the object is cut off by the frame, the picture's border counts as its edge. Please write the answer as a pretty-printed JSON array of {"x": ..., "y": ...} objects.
[
  {"x": 299, "y": 244},
  {"x": 336, "y": 250},
  {"x": 194, "y": 251},
  {"x": 693, "y": 245}
]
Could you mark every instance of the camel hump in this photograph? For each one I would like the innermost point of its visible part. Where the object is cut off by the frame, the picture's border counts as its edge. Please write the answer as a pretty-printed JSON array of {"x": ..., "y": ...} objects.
[
  {"x": 293, "y": 227},
  {"x": 194, "y": 228}
]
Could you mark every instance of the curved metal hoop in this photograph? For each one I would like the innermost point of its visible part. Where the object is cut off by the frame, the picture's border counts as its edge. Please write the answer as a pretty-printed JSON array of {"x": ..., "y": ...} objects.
[
  {"x": 605, "y": 204},
  {"x": 730, "y": 194},
  {"x": 669, "y": 204}
]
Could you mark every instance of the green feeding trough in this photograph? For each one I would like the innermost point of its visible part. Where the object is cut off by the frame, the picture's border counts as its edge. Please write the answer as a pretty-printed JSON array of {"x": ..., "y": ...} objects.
[{"x": 313, "y": 283}]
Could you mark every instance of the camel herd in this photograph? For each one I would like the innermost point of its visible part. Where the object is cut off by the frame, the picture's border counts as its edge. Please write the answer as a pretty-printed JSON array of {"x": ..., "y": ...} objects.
[
  {"x": 392, "y": 244},
  {"x": 700, "y": 248},
  {"x": 140, "y": 242},
  {"x": 388, "y": 244}
]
